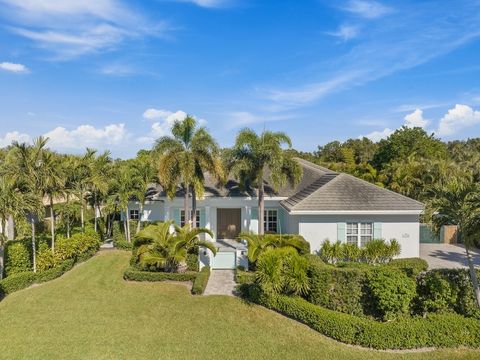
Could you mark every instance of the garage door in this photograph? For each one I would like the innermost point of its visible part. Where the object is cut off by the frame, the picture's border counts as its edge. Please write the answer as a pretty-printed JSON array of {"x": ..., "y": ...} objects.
[{"x": 224, "y": 260}]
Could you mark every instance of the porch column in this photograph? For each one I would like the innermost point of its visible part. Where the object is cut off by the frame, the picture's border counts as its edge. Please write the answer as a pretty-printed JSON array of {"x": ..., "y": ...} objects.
[
  {"x": 167, "y": 211},
  {"x": 208, "y": 222},
  {"x": 246, "y": 220}
]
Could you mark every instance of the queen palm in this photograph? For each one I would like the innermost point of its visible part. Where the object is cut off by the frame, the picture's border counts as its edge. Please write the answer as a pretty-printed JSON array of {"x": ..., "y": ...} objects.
[
  {"x": 125, "y": 188},
  {"x": 183, "y": 159},
  {"x": 457, "y": 202},
  {"x": 145, "y": 175},
  {"x": 168, "y": 251},
  {"x": 256, "y": 156},
  {"x": 98, "y": 181}
]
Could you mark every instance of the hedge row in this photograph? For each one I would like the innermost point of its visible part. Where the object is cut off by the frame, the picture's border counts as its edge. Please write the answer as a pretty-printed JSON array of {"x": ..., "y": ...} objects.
[
  {"x": 137, "y": 275},
  {"x": 435, "y": 330},
  {"x": 244, "y": 277},
  {"x": 200, "y": 282}
]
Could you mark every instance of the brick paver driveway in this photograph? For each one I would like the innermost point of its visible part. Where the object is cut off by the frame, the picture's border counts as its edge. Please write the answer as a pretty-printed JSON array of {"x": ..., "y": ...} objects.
[{"x": 447, "y": 256}]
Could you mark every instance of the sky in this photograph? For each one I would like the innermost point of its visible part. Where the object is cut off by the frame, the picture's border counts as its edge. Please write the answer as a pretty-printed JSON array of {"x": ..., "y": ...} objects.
[{"x": 116, "y": 74}]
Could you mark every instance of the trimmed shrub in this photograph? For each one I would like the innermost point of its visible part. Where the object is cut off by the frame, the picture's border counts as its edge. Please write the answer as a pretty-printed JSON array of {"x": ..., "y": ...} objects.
[
  {"x": 136, "y": 275},
  {"x": 192, "y": 262},
  {"x": 200, "y": 282},
  {"x": 15, "y": 282},
  {"x": 410, "y": 266},
  {"x": 18, "y": 256},
  {"x": 45, "y": 258},
  {"x": 55, "y": 272},
  {"x": 435, "y": 330},
  {"x": 244, "y": 277},
  {"x": 391, "y": 292}
]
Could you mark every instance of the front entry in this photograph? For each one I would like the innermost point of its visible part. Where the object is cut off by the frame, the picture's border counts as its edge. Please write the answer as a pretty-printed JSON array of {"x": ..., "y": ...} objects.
[{"x": 228, "y": 223}]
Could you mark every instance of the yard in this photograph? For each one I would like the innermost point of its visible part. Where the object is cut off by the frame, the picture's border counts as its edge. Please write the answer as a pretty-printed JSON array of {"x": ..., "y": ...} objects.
[{"x": 92, "y": 313}]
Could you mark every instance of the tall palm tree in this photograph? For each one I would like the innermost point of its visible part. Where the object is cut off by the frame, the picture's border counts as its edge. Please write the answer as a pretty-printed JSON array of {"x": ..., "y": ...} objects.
[
  {"x": 82, "y": 174},
  {"x": 145, "y": 175},
  {"x": 255, "y": 156},
  {"x": 183, "y": 159},
  {"x": 167, "y": 250},
  {"x": 98, "y": 182},
  {"x": 125, "y": 188},
  {"x": 457, "y": 202}
]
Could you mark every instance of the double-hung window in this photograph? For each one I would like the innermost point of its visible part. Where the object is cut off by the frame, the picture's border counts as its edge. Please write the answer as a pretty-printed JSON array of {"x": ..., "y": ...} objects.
[
  {"x": 359, "y": 233},
  {"x": 134, "y": 214},
  {"x": 270, "y": 221},
  {"x": 182, "y": 218}
]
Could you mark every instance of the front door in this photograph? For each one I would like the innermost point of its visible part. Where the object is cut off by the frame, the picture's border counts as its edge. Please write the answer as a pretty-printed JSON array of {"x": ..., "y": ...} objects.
[{"x": 228, "y": 223}]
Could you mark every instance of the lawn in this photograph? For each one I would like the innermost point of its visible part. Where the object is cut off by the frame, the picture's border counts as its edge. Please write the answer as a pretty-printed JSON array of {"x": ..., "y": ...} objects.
[{"x": 92, "y": 313}]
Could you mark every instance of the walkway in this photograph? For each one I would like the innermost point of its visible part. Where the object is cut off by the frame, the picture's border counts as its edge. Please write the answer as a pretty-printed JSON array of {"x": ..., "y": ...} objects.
[
  {"x": 221, "y": 282},
  {"x": 447, "y": 256}
]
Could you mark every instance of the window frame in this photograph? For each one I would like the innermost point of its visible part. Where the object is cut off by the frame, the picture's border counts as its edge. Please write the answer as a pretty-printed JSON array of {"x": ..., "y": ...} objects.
[
  {"x": 182, "y": 217},
  {"x": 359, "y": 231},
  {"x": 136, "y": 217},
  {"x": 267, "y": 224}
]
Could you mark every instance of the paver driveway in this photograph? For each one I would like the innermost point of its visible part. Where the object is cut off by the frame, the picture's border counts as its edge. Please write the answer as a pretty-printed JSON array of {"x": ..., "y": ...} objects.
[{"x": 447, "y": 256}]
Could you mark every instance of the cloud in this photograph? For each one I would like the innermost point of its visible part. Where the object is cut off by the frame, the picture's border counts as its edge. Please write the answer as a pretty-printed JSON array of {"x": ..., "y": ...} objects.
[
  {"x": 378, "y": 135},
  {"x": 458, "y": 118},
  {"x": 345, "y": 32},
  {"x": 366, "y": 8},
  {"x": 415, "y": 119},
  {"x": 16, "y": 68},
  {"x": 117, "y": 70},
  {"x": 162, "y": 127},
  {"x": 87, "y": 136},
  {"x": 245, "y": 118},
  {"x": 152, "y": 114},
  {"x": 70, "y": 28},
  {"x": 208, "y": 3},
  {"x": 14, "y": 136}
]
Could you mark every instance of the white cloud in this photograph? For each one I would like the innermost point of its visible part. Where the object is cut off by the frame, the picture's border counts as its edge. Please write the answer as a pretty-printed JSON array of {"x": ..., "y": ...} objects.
[
  {"x": 208, "y": 3},
  {"x": 152, "y": 114},
  {"x": 162, "y": 127},
  {"x": 14, "y": 136},
  {"x": 16, "y": 68},
  {"x": 415, "y": 119},
  {"x": 378, "y": 135},
  {"x": 117, "y": 70},
  {"x": 345, "y": 32},
  {"x": 70, "y": 28},
  {"x": 367, "y": 8},
  {"x": 87, "y": 136},
  {"x": 458, "y": 118}
]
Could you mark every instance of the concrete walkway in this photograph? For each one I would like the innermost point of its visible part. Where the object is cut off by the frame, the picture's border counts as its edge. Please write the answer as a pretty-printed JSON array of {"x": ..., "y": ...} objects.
[
  {"x": 221, "y": 282},
  {"x": 447, "y": 256}
]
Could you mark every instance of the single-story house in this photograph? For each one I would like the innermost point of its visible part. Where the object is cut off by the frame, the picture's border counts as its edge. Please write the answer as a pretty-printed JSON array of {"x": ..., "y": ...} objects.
[{"x": 324, "y": 205}]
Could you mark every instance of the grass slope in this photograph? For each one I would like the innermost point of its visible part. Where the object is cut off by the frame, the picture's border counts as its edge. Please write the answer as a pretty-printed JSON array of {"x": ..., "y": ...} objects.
[{"x": 92, "y": 313}]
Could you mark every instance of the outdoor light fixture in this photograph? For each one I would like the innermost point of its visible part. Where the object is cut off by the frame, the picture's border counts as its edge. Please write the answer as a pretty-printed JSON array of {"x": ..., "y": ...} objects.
[{"x": 205, "y": 252}]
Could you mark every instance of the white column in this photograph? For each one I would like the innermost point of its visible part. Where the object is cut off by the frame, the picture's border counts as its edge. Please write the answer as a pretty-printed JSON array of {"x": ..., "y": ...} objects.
[
  {"x": 208, "y": 222},
  {"x": 167, "y": 211}
]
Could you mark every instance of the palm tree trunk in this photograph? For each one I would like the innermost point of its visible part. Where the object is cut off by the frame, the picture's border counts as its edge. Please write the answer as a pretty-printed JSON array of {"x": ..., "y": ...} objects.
[
  {"x": 125, "y": 229},
  {"x": 52, "y": 218},
  {"x": 139, "y": 225},
  {"x": 82, "y": 217},
  {"x": 11, "y": 227},
  {"x": 261, "y": 206},
  {"x": 194, "y": 208},
  {"x": 34, "y": 247},
  {"x": 2, "y": 254},
  {"x": 186, "y": 207},
  {"x": 127, "y": 225},
  {"x": 95, "y": 210},
  {"x": 473, "y": 276}
]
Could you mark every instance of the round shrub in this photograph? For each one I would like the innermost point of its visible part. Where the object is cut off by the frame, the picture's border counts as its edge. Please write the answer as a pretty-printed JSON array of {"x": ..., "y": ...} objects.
[
  {"x": 435, "y": 293},
  {"x": 391, "y": 292},
  {"x": 17, "y": 257}
]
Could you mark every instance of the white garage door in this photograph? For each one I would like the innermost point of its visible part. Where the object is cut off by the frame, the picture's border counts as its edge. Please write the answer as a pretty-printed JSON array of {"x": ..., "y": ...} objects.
[{"x": 224, "y": 260}]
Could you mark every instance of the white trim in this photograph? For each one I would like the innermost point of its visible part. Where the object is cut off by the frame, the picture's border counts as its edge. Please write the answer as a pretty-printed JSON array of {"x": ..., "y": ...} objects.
[
  {"x": 276, "y": 198},
  {"x": 356, "y": 212}
]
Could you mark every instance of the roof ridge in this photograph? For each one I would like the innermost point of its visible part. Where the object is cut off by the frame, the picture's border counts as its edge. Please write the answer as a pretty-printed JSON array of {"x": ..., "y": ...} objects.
[
  {"x": 314, "y": 166},
  {"x": 315, "y": 186}
]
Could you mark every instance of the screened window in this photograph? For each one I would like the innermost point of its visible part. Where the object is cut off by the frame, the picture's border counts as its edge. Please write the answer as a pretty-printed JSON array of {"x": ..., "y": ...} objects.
[
  {"x": 182, "y": 218},
  {"x": 359, "y": 233},
  {"x": 270, "y": 221},
  {"x": 134, "y": 215}
]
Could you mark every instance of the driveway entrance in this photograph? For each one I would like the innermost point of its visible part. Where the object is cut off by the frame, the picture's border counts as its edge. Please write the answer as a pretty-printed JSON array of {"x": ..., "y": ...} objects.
[{"x": 447, "y": 256}]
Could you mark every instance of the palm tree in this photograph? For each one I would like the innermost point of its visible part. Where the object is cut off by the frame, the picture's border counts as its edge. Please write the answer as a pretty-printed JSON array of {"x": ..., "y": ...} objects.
[
  {"x": 457, "y": 202},
  {"x": 167, "y": 250},
  {"x": 98, "y": 181},
  {"x": 258, "y": 244},
  {"x": 183, "y": 159},
  {"x": 82, "y": 174},
  {"x": 254, "y": 155},
  {"x": 125, "y": 188},
  {"x": 145, "y": 175}
]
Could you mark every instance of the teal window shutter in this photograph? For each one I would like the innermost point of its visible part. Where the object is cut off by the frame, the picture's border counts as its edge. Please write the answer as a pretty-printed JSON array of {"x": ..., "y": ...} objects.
[
  {"x": 341, "y": 232},
  {"x": 176, "y": 216},
  {"x": 281, "y": 221},
  {"x": 254, "y": 213},
  {"x": 377, "y": 230},
  {"x": 202, "y": 218}
]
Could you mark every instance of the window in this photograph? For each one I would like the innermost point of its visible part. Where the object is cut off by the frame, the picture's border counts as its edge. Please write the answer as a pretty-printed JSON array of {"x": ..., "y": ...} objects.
[
  {"x": 182, "y": 218},
  {"x": 134, "y": 215},
  {"x": 270, "y": 221},
  {"x": 359, "y": 238}
]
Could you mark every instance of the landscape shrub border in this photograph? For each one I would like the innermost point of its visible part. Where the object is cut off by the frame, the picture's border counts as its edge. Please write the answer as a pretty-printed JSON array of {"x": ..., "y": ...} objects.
[
  {"x": 23, "y": 280},
  {"x": 200, "y": 282},
  {"x": 132, "y": 274},
  {"x": 244, "y": 277},
  {"x": 435, "y": 330}
]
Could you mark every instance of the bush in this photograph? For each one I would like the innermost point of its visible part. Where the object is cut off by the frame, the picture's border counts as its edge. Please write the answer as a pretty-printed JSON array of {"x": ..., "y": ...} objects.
[
  {"x": 391, "y": 292},
  {"x": 192, "y": 262},
  {"x": 119, "y": 240},
  {"x": 200, "y": 282},
  {"x": 16, "y": 282},
  {"x": 18, "y": 256},
  {"x": 45, "y": 258},
  {"x": 449, "y": 330},
  {"x": 410, "y": 266},
  {"x": 55, "y": 272},
  {"x": 136, "y": 275},
  {"x": 244, "y": 277}
]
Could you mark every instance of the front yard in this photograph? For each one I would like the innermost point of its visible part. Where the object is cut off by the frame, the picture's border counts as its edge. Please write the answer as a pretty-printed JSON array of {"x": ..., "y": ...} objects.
[{"x": 92, "y": 313}]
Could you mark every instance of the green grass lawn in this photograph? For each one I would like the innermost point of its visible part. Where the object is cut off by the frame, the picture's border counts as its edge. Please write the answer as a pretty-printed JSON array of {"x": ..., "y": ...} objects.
[{"x": 92, "y": 313}]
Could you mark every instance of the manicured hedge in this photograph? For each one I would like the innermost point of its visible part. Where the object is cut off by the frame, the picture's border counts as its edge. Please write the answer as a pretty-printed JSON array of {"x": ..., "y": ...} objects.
[
  {"x": 200, "y": 282},
  {"x": 55, "y": 272},
  {"x": 16, "y": 282},
  {"x": 410, "y": 266},
  {"x": 18, "y": 256},
  {"x": 244, "y": 277},
  {"x": 137, "y": 275},
  {"x": 192, "y": 262},
  {"x": 449, "y": 330}
]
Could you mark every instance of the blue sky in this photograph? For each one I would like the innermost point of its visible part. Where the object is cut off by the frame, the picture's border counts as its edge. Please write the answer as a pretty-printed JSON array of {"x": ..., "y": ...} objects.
[{"x": 115, "y": 74}]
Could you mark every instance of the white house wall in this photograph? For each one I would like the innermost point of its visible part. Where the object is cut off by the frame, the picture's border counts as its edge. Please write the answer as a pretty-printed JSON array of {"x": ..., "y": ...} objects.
[{"x": 317, "y": 228}]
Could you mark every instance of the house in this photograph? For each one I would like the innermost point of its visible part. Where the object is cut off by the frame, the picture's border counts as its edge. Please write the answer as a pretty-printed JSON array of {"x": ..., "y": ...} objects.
[{"x": 324, "y": 205}]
